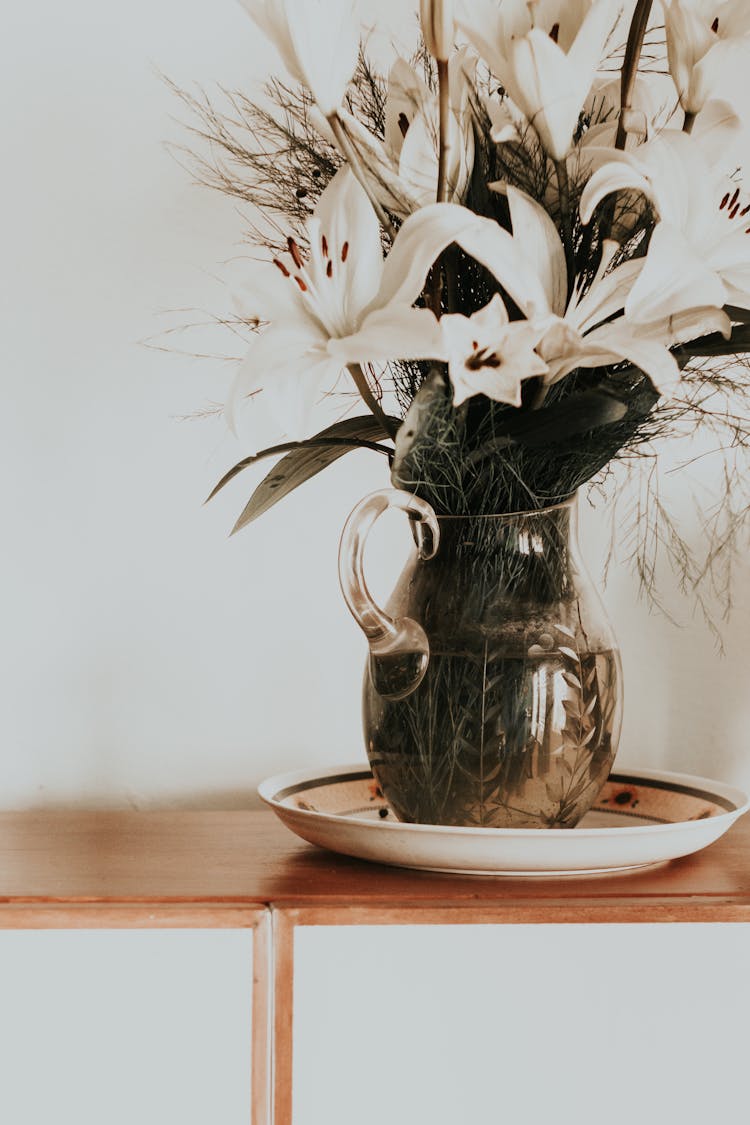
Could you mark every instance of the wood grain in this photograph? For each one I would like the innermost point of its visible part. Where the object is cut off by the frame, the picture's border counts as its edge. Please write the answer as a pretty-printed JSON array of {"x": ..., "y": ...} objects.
[
  {"x": 262, "y": 1007},
  {"x": 249, "y": 858},
  {"x": 283, "y": 1015}
]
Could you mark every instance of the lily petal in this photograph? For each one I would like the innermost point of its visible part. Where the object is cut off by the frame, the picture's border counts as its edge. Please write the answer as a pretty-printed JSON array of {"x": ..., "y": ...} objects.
[
  {"x": 719, "y": 131},
  {"x": 388, "y": 187},
  {"x": 393, "y": 332},
  {"x": 325, "y": 38},
  {"x": 731, "y": 258},
  {"x": 606, "y": 296},
  {"x": 425, "y": 235},
  {"x": 407, "y": 96},
  {"x": 616, "y": 175},
  {"x": 725, "y": 61},
  {"x": 692, "y": 324},
  {"x": 490, "y": 245},
  {"x": 318, "y": 41},
  {"x": 540, "y": 85},
  {"x": 278, "y": 364},
  {"x": 345, "y": 217},
  {"x": 652, "y": 357},
  {"x": 673, "y": 278},
  {"x": 542, "y": 247},
  {"x": 418, "y": 164},
  {"x": 421, "y": 239},
  {"x": 265, "y": 294}
]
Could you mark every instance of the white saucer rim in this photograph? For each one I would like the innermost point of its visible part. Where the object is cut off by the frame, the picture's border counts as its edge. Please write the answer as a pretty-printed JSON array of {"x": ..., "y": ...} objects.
[{"x": 272, "y": 785}]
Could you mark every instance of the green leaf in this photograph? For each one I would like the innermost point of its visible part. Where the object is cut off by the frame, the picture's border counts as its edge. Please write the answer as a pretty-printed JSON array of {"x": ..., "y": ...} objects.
[
  {"x": 738, "y": 342},
  {"x": 350, "y": 432},
  {"x": 430, "y": 414},
  {"x": 550, "y": 425},
  {"x": 303, "y": 460}
]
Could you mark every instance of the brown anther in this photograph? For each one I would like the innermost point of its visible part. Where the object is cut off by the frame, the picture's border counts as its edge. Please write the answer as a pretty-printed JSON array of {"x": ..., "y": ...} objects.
[
  {"x": 715, "y": 26},
  {"x": 344, "y": 251},
  {"x": 724, "y": 202},
  {"x": 403, "y": 124},
  {"x": 735, "y": 197},
  {"x": 294, "y": 251},
  {"x": 324, "y": 246},
  {"x": 745, "y": 210},
  {"x": 555, "y": 32},
  {"x": 735, "y": 211},
  {"x": 280, "y": 266},
  {"x": 301, "y": 283},
  {"x": 482, "y": 359},
  {"x": 329, "y": 268}
]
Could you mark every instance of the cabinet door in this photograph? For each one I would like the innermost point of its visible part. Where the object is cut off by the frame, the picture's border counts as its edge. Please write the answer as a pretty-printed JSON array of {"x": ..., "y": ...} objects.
[
  {"x": 125, "y": 1027},
  {"x": 521, "y": 1024}
]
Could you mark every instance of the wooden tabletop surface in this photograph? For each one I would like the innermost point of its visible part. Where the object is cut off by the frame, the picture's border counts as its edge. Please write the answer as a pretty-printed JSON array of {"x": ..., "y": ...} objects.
[{"x": 250, "y": 858}]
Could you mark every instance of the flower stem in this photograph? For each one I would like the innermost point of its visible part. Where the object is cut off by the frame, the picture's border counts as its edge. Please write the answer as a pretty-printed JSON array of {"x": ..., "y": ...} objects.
[
  {"x": 689, "y": 122},
  {"x": 351, "y": 156},
  {"x": 628, "y": 75},
  {"x": 443, "y": 264},
  {"x": 541, "y": 394},
  {"x": 360, "y": 381},
  {"x": 563, "y": 186},
  {"x": 443, "y": 188},
  {"x": 633, "y": 50}
]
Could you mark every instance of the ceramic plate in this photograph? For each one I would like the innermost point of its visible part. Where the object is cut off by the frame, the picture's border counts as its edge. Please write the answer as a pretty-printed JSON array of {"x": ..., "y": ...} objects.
[{"x": 641, "y": 817}]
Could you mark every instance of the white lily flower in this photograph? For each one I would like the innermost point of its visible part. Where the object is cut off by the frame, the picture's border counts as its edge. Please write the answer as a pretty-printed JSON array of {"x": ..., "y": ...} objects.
[
  {"x": 315, "y": 303},
  {"x": 402, "y": 172},
  {"x": 546, "y": 54},
  {"x": 530, "y": 266},
  {"x": 582, "y": 332},
  {"x": 488, "y": 355},
  {"x": 438, "y": 27},
  {"x": 699, "y": 253},
  {"x": 318, "y": 41},
  {"x": 705, "y": 39}
]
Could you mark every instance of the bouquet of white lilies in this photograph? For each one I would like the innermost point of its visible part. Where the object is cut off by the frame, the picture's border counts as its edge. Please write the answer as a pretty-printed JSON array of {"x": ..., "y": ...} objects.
[{"x": 522, "y": 251}]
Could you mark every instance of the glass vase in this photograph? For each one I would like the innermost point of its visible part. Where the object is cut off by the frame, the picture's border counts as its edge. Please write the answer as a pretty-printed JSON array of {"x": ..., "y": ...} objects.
[{"x": 493, "y": 687}]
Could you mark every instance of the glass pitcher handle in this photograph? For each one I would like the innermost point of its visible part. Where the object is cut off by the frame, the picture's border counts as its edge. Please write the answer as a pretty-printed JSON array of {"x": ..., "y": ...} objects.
[{"x": 399, "y": 648}]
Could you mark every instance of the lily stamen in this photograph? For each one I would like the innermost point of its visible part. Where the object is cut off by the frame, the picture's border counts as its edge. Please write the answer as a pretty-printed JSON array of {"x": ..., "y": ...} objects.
[
  {"x": 344, "y": 251},
  {"x": 280, "y": 266},
  {"x": 485, "y": 358},
  {"x": 294, "y": 251}
]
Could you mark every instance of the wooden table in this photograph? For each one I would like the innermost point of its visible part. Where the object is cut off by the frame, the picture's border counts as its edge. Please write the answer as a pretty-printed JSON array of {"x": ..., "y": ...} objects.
[{"x": 129, "y": 870}]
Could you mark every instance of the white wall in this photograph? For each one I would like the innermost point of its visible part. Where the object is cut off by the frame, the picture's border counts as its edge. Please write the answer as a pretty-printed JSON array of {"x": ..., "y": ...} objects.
[{"x": 145, "y": 658}]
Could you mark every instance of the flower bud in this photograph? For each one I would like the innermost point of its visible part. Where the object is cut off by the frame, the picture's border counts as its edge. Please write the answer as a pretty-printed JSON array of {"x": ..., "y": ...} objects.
[{"x": 438, "y": 27}]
